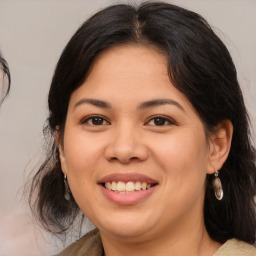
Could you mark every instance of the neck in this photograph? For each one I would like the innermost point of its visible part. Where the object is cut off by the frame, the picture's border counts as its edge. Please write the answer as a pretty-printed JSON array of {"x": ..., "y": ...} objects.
[{"x": 190, "y": 240}]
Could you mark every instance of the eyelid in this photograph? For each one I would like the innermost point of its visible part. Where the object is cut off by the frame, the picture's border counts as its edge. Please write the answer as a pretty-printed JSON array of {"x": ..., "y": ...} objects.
[
  {"x": 85, "y": 119},
  {"x": 166, "y": 118}
]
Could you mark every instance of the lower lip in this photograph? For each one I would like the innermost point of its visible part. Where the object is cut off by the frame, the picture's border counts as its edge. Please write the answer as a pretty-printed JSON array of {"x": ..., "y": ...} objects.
[{"x": 127, "y": 198}]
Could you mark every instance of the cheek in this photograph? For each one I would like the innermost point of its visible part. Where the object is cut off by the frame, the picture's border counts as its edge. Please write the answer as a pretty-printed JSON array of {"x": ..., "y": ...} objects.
[
  {"x": 183, "y": 163},
  {"x": 82, "y": 157},
  {"x": 81, "y": 152},
  {"x": 183, "y": 158}
]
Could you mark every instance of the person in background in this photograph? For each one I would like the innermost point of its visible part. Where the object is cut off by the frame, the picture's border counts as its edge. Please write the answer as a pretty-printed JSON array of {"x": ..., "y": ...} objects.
[
  {"x": 149, "y": 138},
  {"x": 5, "y": 79}
]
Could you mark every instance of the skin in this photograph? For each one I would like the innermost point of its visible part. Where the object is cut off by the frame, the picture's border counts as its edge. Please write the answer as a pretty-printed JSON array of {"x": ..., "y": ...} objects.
[{"x": 173, "y": 150}]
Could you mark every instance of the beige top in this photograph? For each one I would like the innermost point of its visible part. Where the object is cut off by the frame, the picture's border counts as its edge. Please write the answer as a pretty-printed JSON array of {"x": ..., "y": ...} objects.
[
  {"x": 91, "y": 245},
  {"x": 234, "y": 247}
]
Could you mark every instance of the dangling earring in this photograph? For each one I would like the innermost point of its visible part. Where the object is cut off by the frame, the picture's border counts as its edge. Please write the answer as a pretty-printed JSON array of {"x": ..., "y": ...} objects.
[
  {"x": 67, "y": 189},
  {"x": 217, "y": 186}
]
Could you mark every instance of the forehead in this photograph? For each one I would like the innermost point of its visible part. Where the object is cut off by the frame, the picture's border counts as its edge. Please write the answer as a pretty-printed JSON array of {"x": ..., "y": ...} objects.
[
  {"x": 133, "y": 55},
  {"x": 129, "y": 72},
  {"x": 129, "y": 62},
  {"x": 127, "y": 66}
]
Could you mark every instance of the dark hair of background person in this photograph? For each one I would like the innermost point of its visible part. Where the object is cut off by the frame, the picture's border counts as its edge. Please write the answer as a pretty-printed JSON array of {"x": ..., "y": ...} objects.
[
  {"x": 6, "y": 72},
  {"x": 199, "y": 66}
]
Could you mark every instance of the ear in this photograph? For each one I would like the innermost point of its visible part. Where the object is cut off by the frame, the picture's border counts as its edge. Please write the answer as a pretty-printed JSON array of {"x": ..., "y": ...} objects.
[
  {"x": 59, "y": 143},
  {"x": 220, "y": 144}
]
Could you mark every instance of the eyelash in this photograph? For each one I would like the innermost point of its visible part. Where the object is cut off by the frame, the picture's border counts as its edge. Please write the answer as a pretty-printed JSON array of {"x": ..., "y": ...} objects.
[
  {"x": 167, "y": 121},
  {"x": 90, "y": 118},
  {"x": 164, "y": 121}
]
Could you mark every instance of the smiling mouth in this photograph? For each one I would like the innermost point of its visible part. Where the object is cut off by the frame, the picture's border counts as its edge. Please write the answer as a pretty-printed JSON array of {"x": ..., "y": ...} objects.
[{"x": 127, "y": 187}]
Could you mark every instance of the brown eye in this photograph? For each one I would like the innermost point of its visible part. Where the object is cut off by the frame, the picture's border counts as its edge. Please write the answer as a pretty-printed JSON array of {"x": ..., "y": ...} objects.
[
  {"x": 160, "y": 121},
  {"x": 95, "y": 120}
]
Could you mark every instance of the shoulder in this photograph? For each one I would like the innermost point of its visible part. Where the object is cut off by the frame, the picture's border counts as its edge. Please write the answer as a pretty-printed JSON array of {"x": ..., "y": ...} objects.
[
  {"x": 89, "y": 244},
  {"x": 234, "y": 247}
]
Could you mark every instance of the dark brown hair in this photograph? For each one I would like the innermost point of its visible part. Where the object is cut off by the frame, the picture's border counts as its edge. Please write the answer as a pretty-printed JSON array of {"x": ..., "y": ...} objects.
[{"x": 6, "y": 72}]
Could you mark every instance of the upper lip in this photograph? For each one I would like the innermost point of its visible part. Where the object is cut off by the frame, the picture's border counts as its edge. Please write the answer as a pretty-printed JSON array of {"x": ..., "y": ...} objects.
[{"x": 126, "y": 177}]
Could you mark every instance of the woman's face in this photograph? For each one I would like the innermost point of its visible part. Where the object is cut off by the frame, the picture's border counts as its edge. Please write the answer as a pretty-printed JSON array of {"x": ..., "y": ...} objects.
[{"x": 134, "y": 150}]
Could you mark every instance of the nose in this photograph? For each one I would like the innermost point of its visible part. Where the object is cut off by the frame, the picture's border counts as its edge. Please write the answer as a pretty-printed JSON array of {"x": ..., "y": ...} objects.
[{"x": 126, "y": 145}]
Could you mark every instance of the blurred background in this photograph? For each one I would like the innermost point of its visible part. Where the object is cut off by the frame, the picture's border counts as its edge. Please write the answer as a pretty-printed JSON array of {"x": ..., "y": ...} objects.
[{"x": 33, "y": 34}]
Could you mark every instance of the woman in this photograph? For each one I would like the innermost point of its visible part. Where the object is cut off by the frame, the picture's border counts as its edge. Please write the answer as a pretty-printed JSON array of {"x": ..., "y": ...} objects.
[
  {"x": 5, "y": 84},
  {"x": 149, "y": 139}
]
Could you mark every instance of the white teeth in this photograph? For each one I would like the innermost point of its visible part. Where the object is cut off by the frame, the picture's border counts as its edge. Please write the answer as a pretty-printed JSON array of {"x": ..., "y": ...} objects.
[
  {"x": 108, "y": 185},
  {"x": 130, "y": 186},
  {"x": 144, "y": 186},
  {"x": 114, "y": 186},
  {"x": 138, "y": 185},
  {"x": 120, "y": 187}
]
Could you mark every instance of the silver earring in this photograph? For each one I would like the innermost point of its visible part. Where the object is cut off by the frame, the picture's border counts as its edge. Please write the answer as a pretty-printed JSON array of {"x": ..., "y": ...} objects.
[
  {"x": 217, "y": 186},
  {"x": 67, "y": 189}
]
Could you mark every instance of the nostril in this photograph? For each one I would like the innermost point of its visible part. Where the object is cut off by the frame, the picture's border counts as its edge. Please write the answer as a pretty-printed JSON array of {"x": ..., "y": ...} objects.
[
  {"x": 123, "y": 159},
  {"x": 126, "y": 152},
  {"x": 113, "y": 159}
]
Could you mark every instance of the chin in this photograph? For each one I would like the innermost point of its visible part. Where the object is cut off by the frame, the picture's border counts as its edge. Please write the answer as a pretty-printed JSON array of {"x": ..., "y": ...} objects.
[
  {"x": 131, "y": 227},
  {"x": 127, "y": 233}
]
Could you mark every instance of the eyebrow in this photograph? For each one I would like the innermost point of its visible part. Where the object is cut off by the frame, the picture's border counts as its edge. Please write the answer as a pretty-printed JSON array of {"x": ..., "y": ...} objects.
[
  {"x": 94, "y": 102},
  {"x": 143, "y": 105},
  {"x": 159, "y": 102}
]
